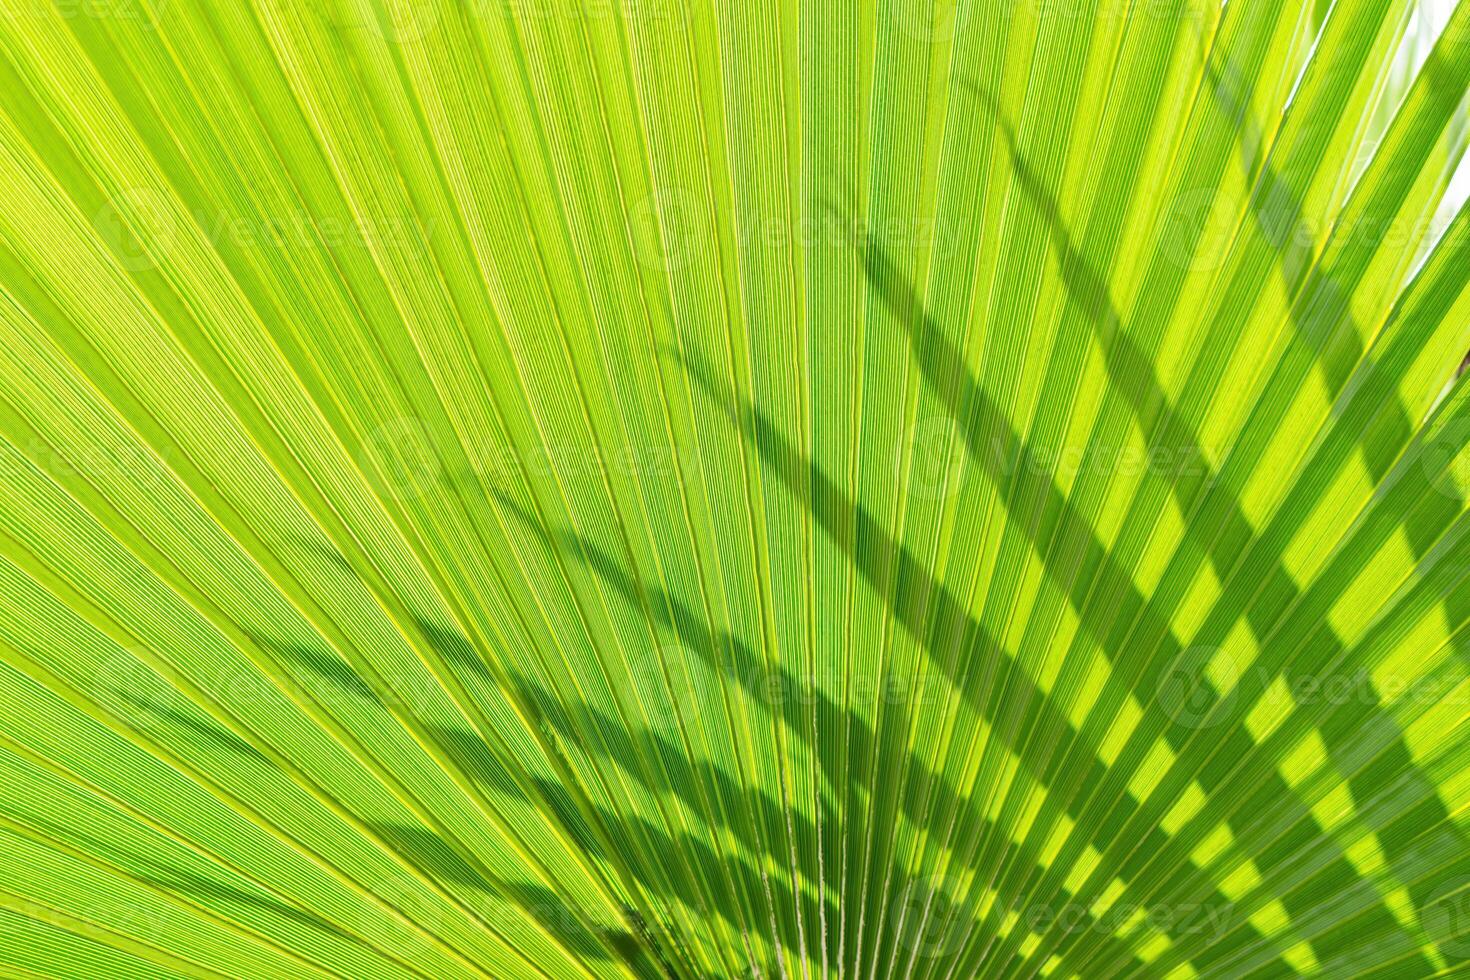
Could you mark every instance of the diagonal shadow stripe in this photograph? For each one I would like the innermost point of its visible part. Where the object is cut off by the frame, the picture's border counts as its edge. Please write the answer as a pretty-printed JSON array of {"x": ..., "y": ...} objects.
[
  {"x": 457, "y": 650},
  {"x": 957, "y": 643},
  {"x": 1220, "y": 530},
  {"x": 695, "y": 783},
  {"x": 1322, "y": 322},
  {"x": 1109, "y": 807},
  {"x": 759, "y": 680},
  {"x": 472, "y": 756},
  {"x": 468, "y": 751},
  {"x": 217, "y": 890},
  {"x": 440, "y": 860}
]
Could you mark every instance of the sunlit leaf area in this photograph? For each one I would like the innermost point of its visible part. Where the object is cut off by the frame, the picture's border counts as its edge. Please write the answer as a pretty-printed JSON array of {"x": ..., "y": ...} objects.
[{"x": 724, "y": 489}]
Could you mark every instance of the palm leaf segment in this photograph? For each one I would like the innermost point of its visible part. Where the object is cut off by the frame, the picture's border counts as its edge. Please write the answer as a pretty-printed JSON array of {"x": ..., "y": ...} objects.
[{"x": 715, "y": 490}]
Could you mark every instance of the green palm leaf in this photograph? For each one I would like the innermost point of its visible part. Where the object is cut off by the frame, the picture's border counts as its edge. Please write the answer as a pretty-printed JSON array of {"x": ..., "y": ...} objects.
[{"x": 669, "y": 489}]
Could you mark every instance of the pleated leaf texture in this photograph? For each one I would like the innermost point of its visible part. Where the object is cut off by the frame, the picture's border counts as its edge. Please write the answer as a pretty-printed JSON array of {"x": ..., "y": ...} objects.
[{"x": 725, "y": 489}]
